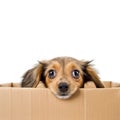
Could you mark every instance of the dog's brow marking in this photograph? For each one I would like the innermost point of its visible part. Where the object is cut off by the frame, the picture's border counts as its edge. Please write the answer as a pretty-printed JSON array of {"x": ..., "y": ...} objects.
[{"x": 63, "y": 66}]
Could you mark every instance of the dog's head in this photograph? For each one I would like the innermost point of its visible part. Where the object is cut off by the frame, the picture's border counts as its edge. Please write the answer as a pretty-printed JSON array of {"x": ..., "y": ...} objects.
[{"x": 62, "y": 75}]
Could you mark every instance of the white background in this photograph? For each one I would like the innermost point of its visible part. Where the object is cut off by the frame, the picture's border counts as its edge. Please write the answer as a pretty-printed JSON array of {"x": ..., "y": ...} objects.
[{"x": 32, "y": 30}]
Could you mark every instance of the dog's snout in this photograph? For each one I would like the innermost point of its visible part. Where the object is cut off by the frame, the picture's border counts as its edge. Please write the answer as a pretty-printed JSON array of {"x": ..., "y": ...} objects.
[{"x": 63, "y": 87}]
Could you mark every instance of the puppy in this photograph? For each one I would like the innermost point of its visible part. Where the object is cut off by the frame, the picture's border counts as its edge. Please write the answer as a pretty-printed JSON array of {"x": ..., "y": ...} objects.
[{"x": 62, "y": 75}]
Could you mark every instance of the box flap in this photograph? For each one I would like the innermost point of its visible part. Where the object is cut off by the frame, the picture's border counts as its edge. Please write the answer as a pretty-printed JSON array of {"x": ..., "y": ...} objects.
[
  {"x": 102, "y": 104},
  {"x": 39, "y": 104},
  {"x": 5, "y": 104}
]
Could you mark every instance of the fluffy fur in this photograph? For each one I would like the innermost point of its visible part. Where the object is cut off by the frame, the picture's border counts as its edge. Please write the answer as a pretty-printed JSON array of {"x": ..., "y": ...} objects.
[{"x": 62, "y": 75}]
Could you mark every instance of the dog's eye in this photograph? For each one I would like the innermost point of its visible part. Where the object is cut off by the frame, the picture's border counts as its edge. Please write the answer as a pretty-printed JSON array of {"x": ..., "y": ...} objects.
[
  {"x": 76, "y": 74},
  {"x": 51, "y": 74}
]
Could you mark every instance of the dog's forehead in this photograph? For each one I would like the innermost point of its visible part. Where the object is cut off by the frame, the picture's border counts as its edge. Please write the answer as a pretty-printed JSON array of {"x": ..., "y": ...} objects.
[{"x": 65, "y": 60}]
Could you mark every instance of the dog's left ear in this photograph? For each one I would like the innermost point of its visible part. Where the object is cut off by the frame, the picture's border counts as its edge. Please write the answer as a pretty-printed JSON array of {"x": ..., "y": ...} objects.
[
  {"x": 33, "y": 76},
  {"x": 90, "y": 74}
]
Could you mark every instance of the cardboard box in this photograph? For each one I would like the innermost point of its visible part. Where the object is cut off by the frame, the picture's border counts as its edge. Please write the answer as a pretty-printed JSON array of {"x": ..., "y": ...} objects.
[{"x": 40, "y": 104}]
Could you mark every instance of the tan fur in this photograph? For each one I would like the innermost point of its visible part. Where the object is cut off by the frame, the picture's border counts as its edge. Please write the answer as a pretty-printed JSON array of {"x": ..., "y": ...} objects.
[{"x": 63, "y": 67}]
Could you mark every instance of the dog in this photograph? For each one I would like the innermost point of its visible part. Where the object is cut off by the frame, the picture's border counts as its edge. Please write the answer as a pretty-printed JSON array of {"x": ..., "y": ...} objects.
[{"x": 62, "y": 75}]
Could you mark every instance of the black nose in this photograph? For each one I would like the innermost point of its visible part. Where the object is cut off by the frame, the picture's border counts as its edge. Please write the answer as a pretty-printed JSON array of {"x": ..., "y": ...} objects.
[{"x": 63, "y": 87}]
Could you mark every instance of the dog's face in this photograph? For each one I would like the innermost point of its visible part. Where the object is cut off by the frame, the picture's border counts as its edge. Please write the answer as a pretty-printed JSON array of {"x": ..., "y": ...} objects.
[{"x": 62, "y": 75}]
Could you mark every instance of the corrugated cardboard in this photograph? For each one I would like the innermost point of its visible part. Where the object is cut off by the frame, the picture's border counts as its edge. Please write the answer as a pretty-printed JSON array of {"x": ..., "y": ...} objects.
[{"x": 40, "y": 104}]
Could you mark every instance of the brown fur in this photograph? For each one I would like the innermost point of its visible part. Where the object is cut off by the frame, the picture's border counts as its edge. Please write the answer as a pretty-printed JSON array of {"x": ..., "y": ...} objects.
[{"x": 63, "y": 67}]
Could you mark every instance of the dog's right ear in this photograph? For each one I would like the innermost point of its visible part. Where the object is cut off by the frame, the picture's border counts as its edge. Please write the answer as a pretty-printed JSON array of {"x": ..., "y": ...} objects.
[
  {"x": 33, "y": 76},
  {"x": 90, "y": 74}
]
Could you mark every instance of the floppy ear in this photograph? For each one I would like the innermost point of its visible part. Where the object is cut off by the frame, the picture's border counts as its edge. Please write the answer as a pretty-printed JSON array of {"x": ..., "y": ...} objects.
[
  {"x": 33, "y": 76},
  {"x": 90, "y": 74}
]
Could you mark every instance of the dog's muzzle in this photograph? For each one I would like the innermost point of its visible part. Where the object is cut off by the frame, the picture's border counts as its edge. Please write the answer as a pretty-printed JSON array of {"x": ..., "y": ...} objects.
[
  {"x": 64, "y": 91},
  {"x": 63, "y": 87}
]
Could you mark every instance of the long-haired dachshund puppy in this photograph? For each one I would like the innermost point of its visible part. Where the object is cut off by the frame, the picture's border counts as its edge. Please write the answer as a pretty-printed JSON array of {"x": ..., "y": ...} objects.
[{"x": 62, "y": 75}]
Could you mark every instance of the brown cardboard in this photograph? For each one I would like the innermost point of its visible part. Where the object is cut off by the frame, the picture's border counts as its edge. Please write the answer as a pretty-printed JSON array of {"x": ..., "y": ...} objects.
[{"x": 40, "y": 104}]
